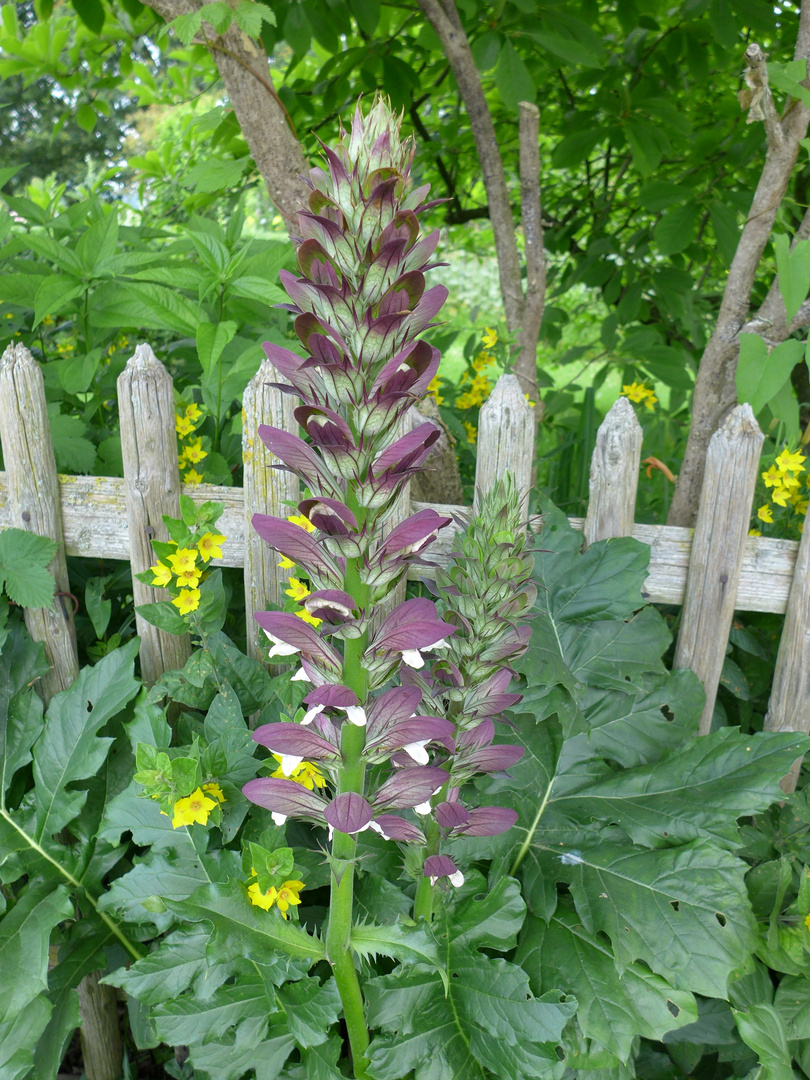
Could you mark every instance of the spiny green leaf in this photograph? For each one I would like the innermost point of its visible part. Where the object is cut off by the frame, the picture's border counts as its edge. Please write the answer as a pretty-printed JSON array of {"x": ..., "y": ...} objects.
[
  {"x": 409, "y": 944},
  {"x": 25, "y": 933}
]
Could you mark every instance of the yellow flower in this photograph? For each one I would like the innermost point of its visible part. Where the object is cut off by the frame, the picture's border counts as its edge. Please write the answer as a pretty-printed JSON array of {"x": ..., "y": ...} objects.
[
  {"x": 193, "y": 412},
  {"x": 490, "y": 337},
  {"x": 195, "y": 808},
  {"x": 773, "y": 477},
  {"x": 800, "y": 506},
  {"x": 765, "y": 514},
  {"x": 304, "y": 522},
  {"x": 288, "y": 895},
  {"x": 305, "y": 615},
  {"x": 471, "y": 429},
  {"x": 434, "y": 386},
  {"x": 187, "y": 601},
  {"x": 649, "y": 401},
  {"x": 184, "y": 559},
  {"x": 781, "y": 496},
  {"x": 284, "y": 897},
  {"x": 259, "y": 899},
  {"x": 192, "y": 477},
  {"x": 163, "y": 574},
  {"x": 793, "y": 462},
  {"x": 285, "y": 563},
  {"x": 533, "y": 403},
  {"x": 754, "y": 532},
  {"x": 638, "y": 392},
  {"x": 182, "y": 425},
  {"x": 297, "y": 590},
  {"x": 476, "y": 395},
  {"x": 209, "y": 546},
  {"x": 194, "y": 452},
  {"x": 306, "y": 774},
  {"x": 188, "y": 579},
  {"x": 214, "y": 791}
]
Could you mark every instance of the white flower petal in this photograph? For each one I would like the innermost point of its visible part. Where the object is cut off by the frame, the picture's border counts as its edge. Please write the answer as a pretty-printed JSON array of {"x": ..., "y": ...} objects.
[
  {"x": 413, "y": 658},
  {"x": 330, "y": 832},
  {"x": 356, "y": 715},
  {"x": 375, "y": 825},
  {"x": 457, "y": 879},
  {"x": 289, "y": 763},
  {"x": 280, "y": 648},
  {"x": 423, "y": 808},
  {"x": 278, "y": 819},
  {"x": 310, "y": 714},
  {"x": 433, "y": 881},
  {"x": 300, "y": 676},
  {"x": 443, "y": 644},
  {"x": 417, "y": 751}
]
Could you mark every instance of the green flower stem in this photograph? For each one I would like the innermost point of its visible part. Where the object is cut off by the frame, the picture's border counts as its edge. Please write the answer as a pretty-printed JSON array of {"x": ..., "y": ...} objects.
[
  {"x": 423, "y": 903},
  {"x": 111, "y": 925},
  {"x": 351, "y": 777}
]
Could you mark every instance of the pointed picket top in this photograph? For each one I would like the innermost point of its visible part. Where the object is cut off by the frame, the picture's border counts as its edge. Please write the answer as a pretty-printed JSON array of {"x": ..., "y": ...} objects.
[{"x": 614, "y": 474}]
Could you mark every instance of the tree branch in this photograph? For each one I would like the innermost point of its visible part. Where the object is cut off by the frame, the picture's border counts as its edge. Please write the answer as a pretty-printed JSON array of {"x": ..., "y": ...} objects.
[
  {"x": 444, "y": 19},
  {"x": 532, "y": 220},
  {"x": 715, "y": 391},
  {"x": 245, "y": 72}
]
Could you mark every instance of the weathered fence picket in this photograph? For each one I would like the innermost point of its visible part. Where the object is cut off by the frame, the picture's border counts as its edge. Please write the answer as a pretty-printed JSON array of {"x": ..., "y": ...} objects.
[
  {"x": 266, "y": 491},
  {"x": 614, "y": 475},
  {"x": 152, "y": 485},
  {"x": 732, "y": 463},
  {"x": 35, "y": 505},
  {"x": 711, "y": 572}
]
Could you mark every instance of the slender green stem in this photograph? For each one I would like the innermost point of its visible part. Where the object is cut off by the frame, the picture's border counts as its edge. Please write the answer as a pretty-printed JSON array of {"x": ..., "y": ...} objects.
[
  {"x": 136, "y": 954},
  {"x": 524, "y": 847}
]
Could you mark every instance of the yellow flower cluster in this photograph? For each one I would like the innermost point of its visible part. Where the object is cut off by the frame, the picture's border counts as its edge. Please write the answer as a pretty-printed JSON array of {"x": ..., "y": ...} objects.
[
  {"x": 306, "y": 774},
  {"x": 785, "y": 482},
  {"x": 191, "y": 453},
  {"x": 184, "y": 569},
  {"x": 480, "y": 389},
  {"x": 489, "y": 338},
  {"x": 299, "y": 590},
  {"x": 434, "y": 386},
  {"x": 196, "y": 807},
  {"x": 472, "y": 431},
  {"x": 284, "y": 897},
  {"x": 638, "y": 393}
]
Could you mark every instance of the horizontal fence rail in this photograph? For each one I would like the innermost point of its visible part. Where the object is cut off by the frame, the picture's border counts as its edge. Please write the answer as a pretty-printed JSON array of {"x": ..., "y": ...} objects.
[{"x": 94, "y": 523}]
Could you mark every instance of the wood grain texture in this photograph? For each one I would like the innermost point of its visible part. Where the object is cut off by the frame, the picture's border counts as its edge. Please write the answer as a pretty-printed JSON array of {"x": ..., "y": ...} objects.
[
  {"x": 505, "y": 437},
  {"x": 34, "y": 504},
  {"x": 266, "y": 491},
  {"x": 152, "y": 488},
  {"x": 102, "y": 1048},
  {"x": 789, "y": 704},
  {"x": 715, "y": 565},
  {"x": 614, "y": 474},
  {"x": 95, "y": 526}
]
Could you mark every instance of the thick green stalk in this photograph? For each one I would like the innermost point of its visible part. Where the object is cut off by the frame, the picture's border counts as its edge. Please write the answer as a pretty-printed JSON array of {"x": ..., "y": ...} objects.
[
  {"x": 351, "y": 777},
  {"x": 423, "y": 903}
]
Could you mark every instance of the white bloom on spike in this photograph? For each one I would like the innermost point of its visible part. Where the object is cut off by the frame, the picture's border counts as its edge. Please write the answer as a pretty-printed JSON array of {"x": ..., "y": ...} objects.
[
  {"x": 289, "y": 763},
  {"x": 423, "y": 808},
  {"x": 278, "y": 819},
  {"x": 330, "y": 832},
  {"x": 300, "y": 676},
  {"x": 433, "y": 881},
  {"x": 443, "y": 644},
  {"x": 375, "y": 825},
  {"x": 310, "y": 714},
  {"x": 457, "y": 879},
  {"x": 417, "y": 751},
  {"x": 413, "y": 658},
  {"x": 355, "y": 714},
  {"x": 280, "y": 648}
]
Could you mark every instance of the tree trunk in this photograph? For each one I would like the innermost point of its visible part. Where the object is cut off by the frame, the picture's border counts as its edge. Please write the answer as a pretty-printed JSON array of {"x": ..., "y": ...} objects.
[{"x": 715, "y": 390}]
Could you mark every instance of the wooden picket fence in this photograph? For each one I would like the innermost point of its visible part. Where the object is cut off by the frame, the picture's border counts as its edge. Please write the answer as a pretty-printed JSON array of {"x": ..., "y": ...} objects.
[{"x": 711, "y": 570}]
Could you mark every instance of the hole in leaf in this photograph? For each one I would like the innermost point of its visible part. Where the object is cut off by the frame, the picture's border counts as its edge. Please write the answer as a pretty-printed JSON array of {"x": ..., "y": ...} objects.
[
  {"x": 675, "y": 905},
  {"x": 455, "y": 974},
  {"x": 560, "y": 1053},
  {"x": 667, "y": 713},
  {"x": 627, "y": 678},
  {"x": 673, "y": 1008},
  {"x": 720, "y": 918},
  {"x": 528, "y": 997}
]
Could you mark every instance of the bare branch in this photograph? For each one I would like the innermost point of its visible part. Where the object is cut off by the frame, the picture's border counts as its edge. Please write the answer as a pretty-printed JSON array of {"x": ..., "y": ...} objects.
[
  {"x": 715, "y": 391},
  {"x": 531, "y": 218},
  {"x": 444, "y": 19}
]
